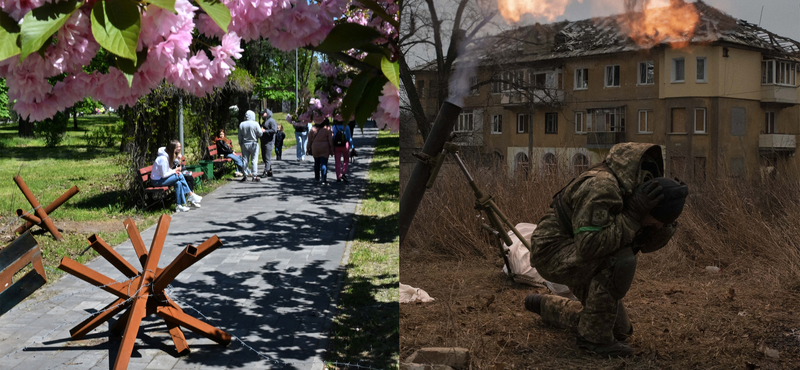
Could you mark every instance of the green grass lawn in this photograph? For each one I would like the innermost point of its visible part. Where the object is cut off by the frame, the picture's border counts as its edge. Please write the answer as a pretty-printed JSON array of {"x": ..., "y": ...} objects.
[
  {"x": 100, "y": 174},
  {"x": 365, "y": 331}
]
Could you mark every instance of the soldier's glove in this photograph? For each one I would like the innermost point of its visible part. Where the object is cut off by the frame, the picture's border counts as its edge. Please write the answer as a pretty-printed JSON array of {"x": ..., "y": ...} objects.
[{"x": 644, "y": 199}]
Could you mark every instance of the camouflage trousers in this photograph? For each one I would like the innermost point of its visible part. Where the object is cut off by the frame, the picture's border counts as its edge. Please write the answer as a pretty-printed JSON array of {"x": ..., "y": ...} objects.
[{"x": 596, "y": 317}]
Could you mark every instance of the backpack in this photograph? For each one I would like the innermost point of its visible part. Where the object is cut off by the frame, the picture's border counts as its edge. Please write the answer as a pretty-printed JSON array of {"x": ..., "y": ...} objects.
[{"x": 340, "y": 139}]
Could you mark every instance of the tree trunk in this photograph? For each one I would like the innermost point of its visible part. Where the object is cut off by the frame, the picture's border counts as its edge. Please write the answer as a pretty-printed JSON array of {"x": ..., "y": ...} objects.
[
  {"x": 74, "y": 118},
  {"x": 25, "y": 128},
  {"x": 244, "y": 105}
]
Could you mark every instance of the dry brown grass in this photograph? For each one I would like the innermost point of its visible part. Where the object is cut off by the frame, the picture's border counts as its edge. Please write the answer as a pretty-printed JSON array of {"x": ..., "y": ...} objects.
[{"x": 684, "y": 316}]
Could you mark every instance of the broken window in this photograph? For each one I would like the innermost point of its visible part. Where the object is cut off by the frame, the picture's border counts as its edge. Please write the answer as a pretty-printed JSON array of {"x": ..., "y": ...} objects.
[
  {"x": 612, "y": 76},
  {"x": 466, "y": 122},
  {"x": 497, "y": 124},
  {"x": 778, "y": 72},
  {"x": 551, "y": 123},
  {"x": 646, "y": 73},
  {"x": 607, "y": 120}
]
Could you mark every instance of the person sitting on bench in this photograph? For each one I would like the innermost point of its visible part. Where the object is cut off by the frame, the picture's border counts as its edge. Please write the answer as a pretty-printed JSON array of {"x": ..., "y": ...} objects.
[
  {"x": 224, "y": 149},
  {"x": 163, "y": 175}
]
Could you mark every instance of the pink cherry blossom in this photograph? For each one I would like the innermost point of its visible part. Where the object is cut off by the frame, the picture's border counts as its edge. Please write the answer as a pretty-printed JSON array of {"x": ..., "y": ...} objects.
[{"x": 388, "y": 113}]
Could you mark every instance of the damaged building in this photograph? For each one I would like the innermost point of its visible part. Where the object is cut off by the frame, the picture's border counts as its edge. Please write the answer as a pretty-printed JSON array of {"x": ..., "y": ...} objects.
[{"x": 719, "y": 97}]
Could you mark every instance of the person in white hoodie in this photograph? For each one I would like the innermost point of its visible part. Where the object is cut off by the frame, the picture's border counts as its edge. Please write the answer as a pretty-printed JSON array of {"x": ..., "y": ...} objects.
[
  {"x": 164, "y": 175},
  {"x": 249, "y": 132}
]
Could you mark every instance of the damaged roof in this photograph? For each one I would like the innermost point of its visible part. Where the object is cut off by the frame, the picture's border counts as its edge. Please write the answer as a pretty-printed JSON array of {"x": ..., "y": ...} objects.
[{"x": 607, "y": 35}]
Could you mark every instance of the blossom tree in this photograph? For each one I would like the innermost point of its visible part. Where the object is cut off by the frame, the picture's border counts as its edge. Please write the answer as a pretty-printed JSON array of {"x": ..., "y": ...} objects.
[{"x": 43, "y": 45}]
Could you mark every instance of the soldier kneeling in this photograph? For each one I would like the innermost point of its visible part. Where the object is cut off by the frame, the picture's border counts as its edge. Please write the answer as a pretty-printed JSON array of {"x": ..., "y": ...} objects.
[{"x": 590, "y": 237}]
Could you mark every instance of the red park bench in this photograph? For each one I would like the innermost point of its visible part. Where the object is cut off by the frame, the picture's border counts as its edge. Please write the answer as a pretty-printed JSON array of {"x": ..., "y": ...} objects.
[{"x": 157, "y": 192}]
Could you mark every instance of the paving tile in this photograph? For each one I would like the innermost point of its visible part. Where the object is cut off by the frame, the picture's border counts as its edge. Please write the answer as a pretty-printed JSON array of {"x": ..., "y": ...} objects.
[{"x": 270, "y": 283}]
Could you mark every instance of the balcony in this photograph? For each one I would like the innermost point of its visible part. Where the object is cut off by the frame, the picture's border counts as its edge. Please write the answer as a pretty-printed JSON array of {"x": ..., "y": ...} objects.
[
  {"x": 780, "y": 94},
  {"x": 604, "y": 139},
  {"x": 540, "y": 97},
  {"x": 777, "y": 143}
]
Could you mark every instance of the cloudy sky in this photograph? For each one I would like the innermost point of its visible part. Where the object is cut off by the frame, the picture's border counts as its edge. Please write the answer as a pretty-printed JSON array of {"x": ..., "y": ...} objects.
[{"x": 780, "y": 16}]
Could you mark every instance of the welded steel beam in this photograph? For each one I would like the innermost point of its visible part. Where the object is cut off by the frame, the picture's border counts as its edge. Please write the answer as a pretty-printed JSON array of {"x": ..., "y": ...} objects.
[
  {"x": 136, "y": 239},
  {"x": 13, "y": 258},
  {"x": 40, "y": 212},
  {"x": 105, "y": 314},
  {"x": 143, "y": 294},
  {"x": 48, "y": 209},
  {"x": 98, "y": 244},
  {"x": 188, "y": 257}
]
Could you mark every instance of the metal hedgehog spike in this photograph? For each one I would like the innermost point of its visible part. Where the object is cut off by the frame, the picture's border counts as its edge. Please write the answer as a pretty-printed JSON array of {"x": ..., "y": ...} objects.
[{"x": 143, "y": 294}]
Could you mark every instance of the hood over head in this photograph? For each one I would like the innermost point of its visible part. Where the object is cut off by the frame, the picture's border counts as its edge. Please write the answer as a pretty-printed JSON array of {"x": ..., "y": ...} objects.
[
  {"x": 250, "y": 116},
  {"x": 634, "y": 162},
  {"x": 268, "y": 112},
  {"x": 162, "y": 151}
]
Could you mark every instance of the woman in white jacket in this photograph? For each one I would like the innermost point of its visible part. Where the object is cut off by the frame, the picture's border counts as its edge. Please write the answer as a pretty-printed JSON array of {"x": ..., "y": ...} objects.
[{"x": 163, "y": 175}]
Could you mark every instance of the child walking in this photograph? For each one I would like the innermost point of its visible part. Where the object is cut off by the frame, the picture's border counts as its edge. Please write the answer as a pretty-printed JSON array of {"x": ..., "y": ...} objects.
[{"x": 279, "y": 142}]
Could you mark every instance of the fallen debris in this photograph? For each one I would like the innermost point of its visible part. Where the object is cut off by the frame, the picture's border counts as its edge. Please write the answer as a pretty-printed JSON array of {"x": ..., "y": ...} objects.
[{"x": 452, "y": 357}]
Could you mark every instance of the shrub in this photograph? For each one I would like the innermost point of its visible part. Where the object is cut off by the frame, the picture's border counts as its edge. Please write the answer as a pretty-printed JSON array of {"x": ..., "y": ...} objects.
[
  {"x": 105, "y": 135},
  {"x": 52, "y": 130}
]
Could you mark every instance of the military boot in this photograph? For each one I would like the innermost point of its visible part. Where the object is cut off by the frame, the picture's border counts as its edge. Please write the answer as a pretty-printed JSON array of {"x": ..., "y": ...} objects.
[
  {"x": 623, "y": 329},
  {"x": 533, "y": 303},
  {"x": 613, "y": 349}
]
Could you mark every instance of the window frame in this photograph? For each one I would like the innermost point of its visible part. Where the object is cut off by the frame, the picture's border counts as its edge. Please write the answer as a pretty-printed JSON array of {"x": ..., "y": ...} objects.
[
  {"x": 583, "y": 76},
  {"x": 772, "y": 68},
  {"x": 420, "y": 85},
  {"x": 527, "y": 123},
  {"x": 554, "y": 130},
  {"x": 647, "y": 113},
  {"x": 465, "y": 113},
  {"x": 615, "y": 72},
  {"x": 495, "y": 119},
  {"x": 674, "y": 71},
  {"x": 705, "y": 70},
  {"x": 582, "y": 122},
  {"x": 652, "y": 66},
  {"x": 705, "y": 120}
]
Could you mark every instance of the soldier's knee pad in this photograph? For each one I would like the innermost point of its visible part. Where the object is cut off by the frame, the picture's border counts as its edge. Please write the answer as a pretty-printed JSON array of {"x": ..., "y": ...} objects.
[{"x": 623, "y": 267}]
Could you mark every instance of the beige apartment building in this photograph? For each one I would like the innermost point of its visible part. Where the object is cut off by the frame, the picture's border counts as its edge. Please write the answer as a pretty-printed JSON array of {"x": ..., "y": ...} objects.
[{"x": 726, "y": 101}]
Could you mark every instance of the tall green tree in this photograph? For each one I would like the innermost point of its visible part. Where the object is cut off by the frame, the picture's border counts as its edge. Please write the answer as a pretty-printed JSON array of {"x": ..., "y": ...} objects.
[{"x": 4, "y": 114}]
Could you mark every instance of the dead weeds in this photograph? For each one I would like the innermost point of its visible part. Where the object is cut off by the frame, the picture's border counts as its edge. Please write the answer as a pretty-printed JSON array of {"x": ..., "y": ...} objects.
[{"x": 689, "y": 319}]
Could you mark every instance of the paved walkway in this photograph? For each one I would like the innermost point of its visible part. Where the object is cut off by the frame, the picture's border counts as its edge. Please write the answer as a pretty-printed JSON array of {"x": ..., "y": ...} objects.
[{"x": 273, "y": 283}]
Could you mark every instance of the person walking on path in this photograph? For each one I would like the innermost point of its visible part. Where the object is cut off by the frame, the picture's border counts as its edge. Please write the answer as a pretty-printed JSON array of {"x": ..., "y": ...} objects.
[
  {"x": 301, "y": 135},
  {"x": 224, "y": 149},
  {"x": 268, "y": 141},
  {"x": 589, "y": 239},
  {"x": 279, "y": 136},
  {"x": 163, "y": 175},
  {"x": 249, "y": 132},
  {"x": 342, "y": 143},
  {"x": 320, "y": 146}
]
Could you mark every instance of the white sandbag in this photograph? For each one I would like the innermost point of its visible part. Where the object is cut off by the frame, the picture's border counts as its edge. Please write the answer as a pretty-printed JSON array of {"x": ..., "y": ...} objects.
[
  {"x": 519, "y": 260},
  {"x": 409, "y": 294}
]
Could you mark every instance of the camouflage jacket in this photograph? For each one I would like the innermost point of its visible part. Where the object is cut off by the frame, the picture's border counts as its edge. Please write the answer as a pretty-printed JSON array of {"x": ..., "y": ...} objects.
[{"x": 589, "y": 210}]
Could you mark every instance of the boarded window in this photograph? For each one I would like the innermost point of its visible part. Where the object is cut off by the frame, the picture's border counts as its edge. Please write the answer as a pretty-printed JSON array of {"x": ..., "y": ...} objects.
[
  {"x": 700, "y": 168},
  {"x": 678, "y": 120},
  {"x": 737, "y": 121},
  {"x": 678, "y": 167}
]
